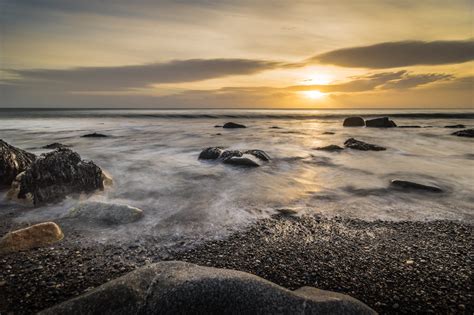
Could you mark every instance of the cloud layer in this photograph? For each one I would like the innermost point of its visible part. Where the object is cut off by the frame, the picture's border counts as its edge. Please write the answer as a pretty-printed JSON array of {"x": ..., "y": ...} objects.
[{"x": 400, "y": 54}]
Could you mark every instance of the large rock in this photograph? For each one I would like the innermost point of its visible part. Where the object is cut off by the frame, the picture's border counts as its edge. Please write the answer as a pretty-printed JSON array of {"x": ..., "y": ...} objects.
[
  {"x": 13, "y": 161},
  {"x": 233, "y": 125},
  {"x": 37, "y": 235},
  {"x": 244, "y": 160},
  {"x": 55, "y": 175},
  {"x": 102, "y": 213},
  {"x": 183, "y": 288},
  {"x": 354, "y": 122},
  {"x": 412, "y": 186},
  {"x": 464, "y": 133},
  {"x": 383, "y": 122},
  {"x": 210, "y": 153},
  {"x": 230, "y": 153},
  {"x": 363, "y": 146},
  {"x": 259, "y": 154}
]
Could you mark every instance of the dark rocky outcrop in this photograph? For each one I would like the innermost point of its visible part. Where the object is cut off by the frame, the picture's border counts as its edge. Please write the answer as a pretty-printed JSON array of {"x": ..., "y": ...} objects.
[
  {"x": 383, "y": 122},
  {"x": 260, "y": 154},
  {"x": 469, "y": 133},
  {"x": 455, "y": 126},
  {"x": 38, "y": 235},
  {"x": 363, "y": 146},
  {"x": 12, "y": 162},
  {"x": 94, "y": 135},
  {"x": 54, "y": 175},
  {"x": 55, "y": 145},
  {"x": 233, "y": 125},
  {"x": 244, "y": 160},
  {"x": 210, "y": 153},
  {"x": 102, "y": 213},
  {"x": 184, "y": 288},
  {"x": 410, "y": 186},
  {"x": 330, "y": 148},
  {"x": 354, "y": 122}
]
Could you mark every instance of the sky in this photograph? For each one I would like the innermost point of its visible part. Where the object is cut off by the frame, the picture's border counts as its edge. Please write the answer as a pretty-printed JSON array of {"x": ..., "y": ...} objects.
[{"x": 237, "y": 54}]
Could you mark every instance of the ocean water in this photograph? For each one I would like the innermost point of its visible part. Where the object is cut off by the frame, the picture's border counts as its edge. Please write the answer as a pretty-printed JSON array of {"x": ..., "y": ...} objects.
[{"x": 152, "y": 156}]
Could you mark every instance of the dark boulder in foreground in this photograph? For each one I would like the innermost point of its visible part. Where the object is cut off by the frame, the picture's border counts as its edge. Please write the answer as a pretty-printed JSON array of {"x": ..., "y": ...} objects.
[
  {"x": 184, "y": 288},
  {"x": 363, "y": 146},
  {"x": 464, "y": 133},
  {"x": 354, "y": 122},
  {"x": 383, "y": 122},
  {"x": 233, "y": 125},
  {"x": 235, "y": 157},
  {"x": 410, "y": 186},
  {"x": 455, "y": 126},
  {"x": 210, "y": 153},
  {"x": 330, "y": 148},
  {"x": 12, "y": 162},
  {"x": 244, "y": 160},
  {"x": 54, "y": 175},
  {"x": 55, "y": 145},
  {"x": 94, "y": 135}
]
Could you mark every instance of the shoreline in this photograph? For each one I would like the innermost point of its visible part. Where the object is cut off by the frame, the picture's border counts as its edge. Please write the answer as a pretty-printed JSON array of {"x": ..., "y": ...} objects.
[{"x": 394, "y": 267}]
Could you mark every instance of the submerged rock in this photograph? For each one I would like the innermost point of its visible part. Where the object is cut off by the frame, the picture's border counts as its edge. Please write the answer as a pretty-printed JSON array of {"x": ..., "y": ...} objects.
[
  {"x": 94, "y": 135},
  {"x": 13, "y": 161},
  {"x": 330, "y": 148},
  {"x": 259, "y": 154},
  {"x": 37, "y": 235},
  {"x": 329, "y": 133},
  {"x": 55, "y": 175},
  {"x": 182, "y": 288},
  {"x": 383, "y": 122},
  {"x": 275, "y": 127},
  {"x": 244, "y": 160},
  {"x": 408, "y": 185},
  {"x": 210, "y": 153},
  {"x": 455, "y": 126},
  {"x": 363, "y": 146},
  {"x": 105, "y": 213},
  {"x": 233, "y": 125},
  {"x": 464, "y": 133},
  {"x": 354, "y": 122},
  {"x": 55, "y": 145}
]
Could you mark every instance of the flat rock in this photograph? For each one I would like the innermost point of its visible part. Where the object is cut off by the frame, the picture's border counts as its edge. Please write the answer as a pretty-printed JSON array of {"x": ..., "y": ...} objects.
[
  {"x": 94, "y": 135},
  {"x": 210, "y": 153},
  {"x": 183, "y": 288},
  {"x": 330, "y": 148},
  {"x": 13, "y": 161},
  {"x": 354, "y": 122},
  {"x": 246, "y": 160},
  {"x": 382, "y": 122},
  {"x": 329, "y": 133},
  {"x": 455, "y": 126},
  {"x": 464, "y": 133},
  {"x": 233, "y": 125},
  {"x": 410, "y": 186},
  {"x": 55, "y": 145},
  {"x": 55, "y": 175},
  {"x": 259, "y": 154},
  {"x": 361, "y": 145},
  {"x": 105, "y": 213},
  {"x": 410, "y": 126},
  {"x": 37, "y": 235}
]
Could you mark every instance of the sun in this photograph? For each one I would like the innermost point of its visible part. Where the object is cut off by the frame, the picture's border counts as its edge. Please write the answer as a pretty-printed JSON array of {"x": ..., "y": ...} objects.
[{"x": 314, "y": 94}]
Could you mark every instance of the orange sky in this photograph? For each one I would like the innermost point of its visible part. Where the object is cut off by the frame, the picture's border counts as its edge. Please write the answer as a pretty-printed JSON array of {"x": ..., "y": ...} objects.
[{"x": 230, "y": 54}]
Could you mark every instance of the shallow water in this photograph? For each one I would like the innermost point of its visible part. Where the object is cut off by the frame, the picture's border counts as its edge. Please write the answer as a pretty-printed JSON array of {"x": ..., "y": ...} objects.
[{"x": 152, "y": 157}]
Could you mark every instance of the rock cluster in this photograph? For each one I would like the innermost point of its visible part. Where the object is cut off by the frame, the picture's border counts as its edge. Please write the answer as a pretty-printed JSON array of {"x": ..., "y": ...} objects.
[
  {"x": 249, "y": 158},
  {"x": 361, "y": 145},
  {"x": 13, "y": 161},
  {"x": 178, "y": 288},
  {"x": 37, "y": 235}
]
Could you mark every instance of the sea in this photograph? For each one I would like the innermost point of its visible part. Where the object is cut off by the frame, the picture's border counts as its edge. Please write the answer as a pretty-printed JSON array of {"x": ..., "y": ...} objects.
[{"x": 152, "y": 156}]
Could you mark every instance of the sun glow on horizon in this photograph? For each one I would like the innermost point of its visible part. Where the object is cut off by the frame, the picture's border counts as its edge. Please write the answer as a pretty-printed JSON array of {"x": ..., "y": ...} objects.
[{"x": 314, "y": 94}]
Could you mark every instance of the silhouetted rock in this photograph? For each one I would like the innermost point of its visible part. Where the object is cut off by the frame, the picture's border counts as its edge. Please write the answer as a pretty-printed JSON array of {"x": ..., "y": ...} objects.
[
  {"x": 233, "y": 125},
  {"x": 410, "y": 186},
  {"x": 361, "y": 145},
  {"x": 455, "y": 126},
  {"x": 275, "y": 127},
  {"x": 354, "y": 122},
  {"x": 410, "y": 126},
  {"x": 55, "y": 145},
  {"x": 330, "y": 148},
  {"x": 260, "y": 154},
  {"x": 12, "y": 162},
  {"x": 383, "y": 122},
  {"x": 217, "y": 126},
  {"x": 54, "y": 175},
  {"x": 183, "y": 288},
  {"x": 210, "y": 153},
  {"x": 37, "y": 235},
  {"x": 105, "y": 213},
  {"x": 94, "y": 135},
  {"x": 244, "y": 160},
  {"x": 464, "y": 133}
]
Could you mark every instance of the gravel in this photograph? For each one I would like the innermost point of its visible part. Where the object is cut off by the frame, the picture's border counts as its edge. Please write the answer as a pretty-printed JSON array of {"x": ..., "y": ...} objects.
[{"x": 394, "y": 267}]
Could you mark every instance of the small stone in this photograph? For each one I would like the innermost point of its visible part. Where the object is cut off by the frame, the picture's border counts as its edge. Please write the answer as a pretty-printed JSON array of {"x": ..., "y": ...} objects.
[{"x": 233, "y": 125}]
